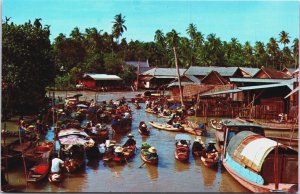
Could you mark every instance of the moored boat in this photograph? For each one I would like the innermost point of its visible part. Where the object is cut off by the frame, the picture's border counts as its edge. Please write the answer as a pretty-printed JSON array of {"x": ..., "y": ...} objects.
[
  {"x": 41, "y": 169},
  {"x": 39, "y": 152},
  {"x": 215, "y": 124},
  {"x": 166, "y": 127},
  {"x": 182, "y": 147},
  {"x": 210, "y": 159},
  {"x": 261, "y": 164}
]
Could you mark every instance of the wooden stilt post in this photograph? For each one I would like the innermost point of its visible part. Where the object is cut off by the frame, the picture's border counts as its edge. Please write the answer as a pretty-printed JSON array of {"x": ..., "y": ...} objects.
[{"x": 276, "y": 167}]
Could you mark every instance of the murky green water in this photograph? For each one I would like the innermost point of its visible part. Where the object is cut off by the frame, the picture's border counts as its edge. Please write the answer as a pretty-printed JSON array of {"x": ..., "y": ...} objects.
[{"x": 169, "y": 176}]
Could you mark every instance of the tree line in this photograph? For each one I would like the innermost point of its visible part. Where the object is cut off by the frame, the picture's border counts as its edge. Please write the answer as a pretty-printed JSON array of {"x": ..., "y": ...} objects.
[{"x": 31, "y": 62}]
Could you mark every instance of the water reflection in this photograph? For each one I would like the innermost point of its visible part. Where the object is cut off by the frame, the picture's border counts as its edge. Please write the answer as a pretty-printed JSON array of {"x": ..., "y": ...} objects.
[
  {"x": 152, "y": 172},
  {"x": 209, "y": 176},
  {"x": 182, "y": 166}
]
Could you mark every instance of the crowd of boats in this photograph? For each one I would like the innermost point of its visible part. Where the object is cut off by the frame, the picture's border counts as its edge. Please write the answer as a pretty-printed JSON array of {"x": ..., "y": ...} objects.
[{"x": 261, "y": 157}]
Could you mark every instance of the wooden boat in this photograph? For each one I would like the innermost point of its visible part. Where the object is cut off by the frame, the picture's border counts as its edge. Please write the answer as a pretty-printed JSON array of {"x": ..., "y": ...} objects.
[
  {"x": 234, "y": 126},
  {"x": 41, "y": 169},
  {"x": 122, "y": 125},
  {"x": 149, "y": 110},
  {"x": 39, "y": 152},
  {"x": 193, "y": 131},
  {"x": 182, "y": 147},
  {"x": 129, "y": 151},
  {"x": 164, "y": 126},
  {"x": 55, "y": 177},
  {"x": 285, "y": 133},
  {"x": 73, "y": 146},
  {"x": 261, "y": 164},
  {"x": 153, "y": 161},
  {"x": 143, "y": 132},
  {"x": 164, "y": 116},
  {"x": 210, "y": 160}
]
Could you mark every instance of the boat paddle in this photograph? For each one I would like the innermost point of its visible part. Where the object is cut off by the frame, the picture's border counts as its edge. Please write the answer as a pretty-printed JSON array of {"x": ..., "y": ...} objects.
[{"x": 142, "y": 165}]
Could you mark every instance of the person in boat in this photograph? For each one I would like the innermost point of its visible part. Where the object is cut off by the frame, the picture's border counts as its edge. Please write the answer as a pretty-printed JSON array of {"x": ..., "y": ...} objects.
[
  {"x": 92, "y": 103},
  {"x": 170, "y": 121},
  {"x": 211, "y": 147},
  {"x": 143, "y": 127},
  {"x": 152, "y": 153},
  {"x": 130, "y": 141},
  {"x": 177, "y": 124},
  {"x": 56, "y": 165},
  {"x": 198, "y": 145}
]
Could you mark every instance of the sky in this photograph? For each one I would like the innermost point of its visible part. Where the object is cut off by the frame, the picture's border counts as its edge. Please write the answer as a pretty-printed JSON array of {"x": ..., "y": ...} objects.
[{"x": 245, "y": 20}]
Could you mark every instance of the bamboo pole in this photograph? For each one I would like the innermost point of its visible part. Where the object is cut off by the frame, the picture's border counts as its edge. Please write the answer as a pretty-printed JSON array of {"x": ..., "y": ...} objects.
[
  {"x": 178, "y": 75},
  {"x": 22, "y": 152}
]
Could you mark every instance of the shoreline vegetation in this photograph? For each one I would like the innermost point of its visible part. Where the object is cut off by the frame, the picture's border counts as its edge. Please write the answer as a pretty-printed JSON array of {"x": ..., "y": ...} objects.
[{"x": 32, "y": 64}]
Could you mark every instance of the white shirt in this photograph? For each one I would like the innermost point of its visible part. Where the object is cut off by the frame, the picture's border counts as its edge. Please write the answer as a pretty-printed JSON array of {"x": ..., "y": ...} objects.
[
  {"x": 126, "y": 115},
  {"x": 55, "y": 164}
]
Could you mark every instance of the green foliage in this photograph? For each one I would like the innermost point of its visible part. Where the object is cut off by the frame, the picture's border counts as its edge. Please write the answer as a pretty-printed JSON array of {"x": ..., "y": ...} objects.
[
  {"x": 128, "y": 75},
  {"x": 27, "y": 66},
  {"x": 112, "y": 64}
]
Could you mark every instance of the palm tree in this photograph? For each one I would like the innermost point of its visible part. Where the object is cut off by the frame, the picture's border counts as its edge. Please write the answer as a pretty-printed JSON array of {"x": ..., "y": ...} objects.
[
  {"x": 192, "y": 31},
  {"x": 248, "y": 54},
  {"x": 259, "y": 52},
  {"x": 284, "y": 39},
  {"x": 160, "y": 38},
  {"x": 76, "y": 34},
  {"x": 37, "y": 23},
  {"x": 296, "y": 52},
  {"x": 172, "y": 38},
  {"x": 118, "y": 27},
  {"x": 273, "y": 50}
]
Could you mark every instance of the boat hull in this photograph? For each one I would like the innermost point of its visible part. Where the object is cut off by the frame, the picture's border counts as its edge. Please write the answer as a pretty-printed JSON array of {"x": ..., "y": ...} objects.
[{"x": 152, "y": 161}]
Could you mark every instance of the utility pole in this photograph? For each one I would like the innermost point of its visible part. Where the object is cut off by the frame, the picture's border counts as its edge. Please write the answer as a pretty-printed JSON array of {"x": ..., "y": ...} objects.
[
  {"x": 178, "y": 75},
  {"x": 137, "y": 77}
]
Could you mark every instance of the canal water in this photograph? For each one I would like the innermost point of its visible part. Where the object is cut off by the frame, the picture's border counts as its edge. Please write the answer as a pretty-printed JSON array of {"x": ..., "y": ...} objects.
[{"x": 169, "y": 176}]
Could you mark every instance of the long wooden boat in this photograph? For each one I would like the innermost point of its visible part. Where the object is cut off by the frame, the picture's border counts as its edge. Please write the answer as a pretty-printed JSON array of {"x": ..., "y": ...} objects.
[
  {"x": 182, "y": 147},
  {"x": 193, "y": 131},
  {"x": 153, "y": 161},
  {"x": 146, "y": 133},
  {"x": 39, "y": 152},
  {"x": 149, "y": 110},
  {"x": 285, "y": 133},
  {"x": 251, "y": 159},
  {"x": 41, "y": 169},
  {"x": 164, "y": 116},
  {"x": 211, "y": 160},
  {"x": 164, "y": 126},
  {"x": 129, "y": 151}
]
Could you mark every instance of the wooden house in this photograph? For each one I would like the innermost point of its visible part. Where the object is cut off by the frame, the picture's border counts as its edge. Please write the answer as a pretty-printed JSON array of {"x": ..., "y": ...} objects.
[
  {"x": 268, "y": 73},
  {"x": 248, "y": 71},
  {"x": 141, "y": 66},
  {"x": 289, "y": 71},
  {"x": 158, "y": 77},
  {"x": 97, "y": 81}
]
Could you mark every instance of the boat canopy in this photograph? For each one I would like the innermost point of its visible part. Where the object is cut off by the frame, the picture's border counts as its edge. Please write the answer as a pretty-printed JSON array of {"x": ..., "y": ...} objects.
[
  {"x": 72, "y": 131},
  {"x": 183, "y": 137},
  {"x": 250, "y": 149},
  {"x": 238, "y": 123}
]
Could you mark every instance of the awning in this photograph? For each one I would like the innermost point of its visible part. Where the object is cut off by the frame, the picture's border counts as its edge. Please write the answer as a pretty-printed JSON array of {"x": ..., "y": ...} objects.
[
  {"x": 183, "y": 137},
  {"x": 292, "y": 92}
]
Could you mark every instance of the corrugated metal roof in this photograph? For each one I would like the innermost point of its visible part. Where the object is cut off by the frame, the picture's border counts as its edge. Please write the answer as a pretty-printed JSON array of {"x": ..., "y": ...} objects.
[
  {"x": 251, "y": 71},
  {"x": 172, "y": 72},
  {"x": 193, "y": 78},
  {"x": 137, "y": 63},
  {"x": 102, "y": 76},
  {"x": 265, "y": 86},
  {"x": 255, "y": 80},
  {"x": 182, "y": 84},
  {"x": 222, "y": 92},
  {"x": 240, "y": 89},
  {"x": 223, "y": 71}
]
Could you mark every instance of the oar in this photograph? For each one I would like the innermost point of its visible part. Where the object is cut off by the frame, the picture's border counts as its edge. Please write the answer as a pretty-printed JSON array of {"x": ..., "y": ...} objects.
[{"x": 142, "y": 165}]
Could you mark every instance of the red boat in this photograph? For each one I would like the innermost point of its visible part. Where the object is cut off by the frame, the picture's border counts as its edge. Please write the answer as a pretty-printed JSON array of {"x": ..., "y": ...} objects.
[
  {"x": 182, "y": 151},
  {"x": 41, "y": 169}
]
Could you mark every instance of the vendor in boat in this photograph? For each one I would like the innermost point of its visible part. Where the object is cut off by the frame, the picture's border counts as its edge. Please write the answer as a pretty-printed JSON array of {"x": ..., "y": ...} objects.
[
  {"x": 130, "y": 141},
  {"x": 56, "y": 164},
  {"x": 152, "y": 153},
  {"x": 198, "y": 145},
  {"x": 211, "y": 147}
]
